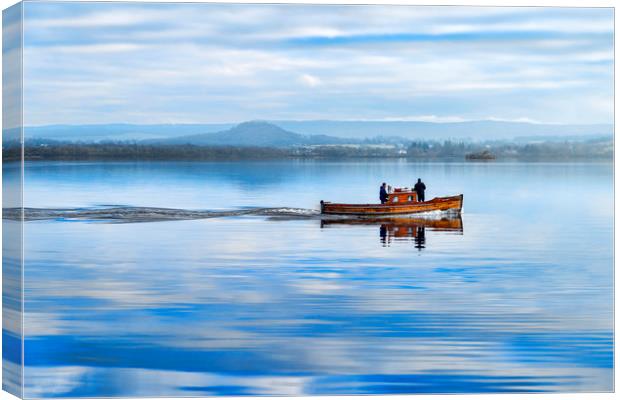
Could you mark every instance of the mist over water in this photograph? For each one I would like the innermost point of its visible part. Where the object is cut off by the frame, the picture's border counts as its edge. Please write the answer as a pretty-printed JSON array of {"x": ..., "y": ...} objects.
[{"x": 515, "y": 296}]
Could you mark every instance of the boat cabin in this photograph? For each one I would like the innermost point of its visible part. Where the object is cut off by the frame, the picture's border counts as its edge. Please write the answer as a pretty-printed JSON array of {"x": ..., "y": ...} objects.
[{"x": 402, "y": 196}]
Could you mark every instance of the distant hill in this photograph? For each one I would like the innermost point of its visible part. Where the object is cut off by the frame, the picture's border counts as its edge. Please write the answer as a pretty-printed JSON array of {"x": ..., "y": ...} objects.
[
  {"x": 416, "y": 130},
  {"x": 254, "y": 133},
  {"x": 316, "y": 132},
  {"x": 90, "y": 133}
]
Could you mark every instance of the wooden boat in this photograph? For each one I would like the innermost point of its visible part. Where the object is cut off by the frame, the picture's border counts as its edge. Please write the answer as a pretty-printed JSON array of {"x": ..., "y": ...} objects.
[{"x": 401, "y": 201}]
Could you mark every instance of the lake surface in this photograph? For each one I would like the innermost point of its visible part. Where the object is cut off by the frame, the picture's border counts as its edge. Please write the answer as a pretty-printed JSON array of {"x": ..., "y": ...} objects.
[{"x": 519, "y": 298}]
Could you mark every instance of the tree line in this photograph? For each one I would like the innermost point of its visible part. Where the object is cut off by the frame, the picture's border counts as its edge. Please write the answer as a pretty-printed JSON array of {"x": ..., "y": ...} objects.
[
  {"x": 598, "y": 148},
  {"x": 548, "y": 150},
  {"x": 134, "y": 151}
]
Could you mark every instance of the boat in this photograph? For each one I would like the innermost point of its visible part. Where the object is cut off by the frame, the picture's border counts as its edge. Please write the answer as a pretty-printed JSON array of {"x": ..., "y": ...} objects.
[
  {"x": 485, "y": 155},
  {"x": 400, "y": 201}
]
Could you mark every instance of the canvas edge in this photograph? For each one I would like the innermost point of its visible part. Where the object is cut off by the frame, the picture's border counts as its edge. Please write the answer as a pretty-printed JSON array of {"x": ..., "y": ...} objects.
[{"x": 12, "y": 197}]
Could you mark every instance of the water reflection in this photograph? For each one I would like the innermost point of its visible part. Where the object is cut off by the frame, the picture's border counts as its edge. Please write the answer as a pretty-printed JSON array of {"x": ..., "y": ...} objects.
[
  {"x": 405, "y": 229},
  {"x": 262, "y": 304}
]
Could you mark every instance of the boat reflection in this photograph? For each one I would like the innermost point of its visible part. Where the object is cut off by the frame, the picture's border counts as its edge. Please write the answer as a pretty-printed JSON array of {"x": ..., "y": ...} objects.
[{"x": 404, "y": 229}]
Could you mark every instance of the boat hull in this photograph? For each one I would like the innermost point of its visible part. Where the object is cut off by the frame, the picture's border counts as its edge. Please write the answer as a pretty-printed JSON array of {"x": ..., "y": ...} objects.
[{"x": 437, "y": 204}]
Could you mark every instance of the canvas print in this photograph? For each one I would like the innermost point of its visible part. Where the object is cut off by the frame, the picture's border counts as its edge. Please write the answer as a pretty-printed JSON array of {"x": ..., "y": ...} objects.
[{"x": 205, "y": 199}]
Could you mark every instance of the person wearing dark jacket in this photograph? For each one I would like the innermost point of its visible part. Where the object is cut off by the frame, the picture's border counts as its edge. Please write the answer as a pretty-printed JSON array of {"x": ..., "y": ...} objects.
[
  {"x": 419, "y": 188},
  {"x": 383, "y": 196}
]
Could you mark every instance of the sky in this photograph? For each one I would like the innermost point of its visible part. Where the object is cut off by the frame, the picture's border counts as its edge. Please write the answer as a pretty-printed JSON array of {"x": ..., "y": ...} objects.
[{"x": 91, "y": 63}]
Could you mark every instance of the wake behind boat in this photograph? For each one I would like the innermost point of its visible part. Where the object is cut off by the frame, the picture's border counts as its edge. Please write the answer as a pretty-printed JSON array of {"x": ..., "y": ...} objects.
[{"x": 401, "y": 201}]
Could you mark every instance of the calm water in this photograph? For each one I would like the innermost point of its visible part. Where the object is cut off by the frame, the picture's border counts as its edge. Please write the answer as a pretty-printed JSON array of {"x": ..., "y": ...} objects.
[{"x": 519, "y": 299}]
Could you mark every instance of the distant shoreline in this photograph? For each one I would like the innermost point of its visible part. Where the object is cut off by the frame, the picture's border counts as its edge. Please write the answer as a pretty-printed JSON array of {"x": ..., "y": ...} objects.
[
  {"x": 326, "y": 159},
  {"x": 9, "y": 158},
  {"x": 595, "y": 150}
]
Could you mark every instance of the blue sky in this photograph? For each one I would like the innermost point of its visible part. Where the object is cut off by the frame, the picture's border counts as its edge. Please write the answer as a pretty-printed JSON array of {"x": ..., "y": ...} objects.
[{"x": 199, "y": 63}]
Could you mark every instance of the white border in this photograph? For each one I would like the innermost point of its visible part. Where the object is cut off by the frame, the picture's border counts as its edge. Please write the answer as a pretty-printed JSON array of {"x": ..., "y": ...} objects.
[{"x": 522, "y": 3}]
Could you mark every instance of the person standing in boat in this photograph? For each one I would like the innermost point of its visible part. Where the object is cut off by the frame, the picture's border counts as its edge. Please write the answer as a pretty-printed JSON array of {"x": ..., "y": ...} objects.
[
  {"x": 383, "y": 195},
  {"x": 419, "y": 188}
]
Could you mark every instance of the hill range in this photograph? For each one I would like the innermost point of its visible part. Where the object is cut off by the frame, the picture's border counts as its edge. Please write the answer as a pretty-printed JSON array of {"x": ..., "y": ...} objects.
[{"x": 292, "y": 133}]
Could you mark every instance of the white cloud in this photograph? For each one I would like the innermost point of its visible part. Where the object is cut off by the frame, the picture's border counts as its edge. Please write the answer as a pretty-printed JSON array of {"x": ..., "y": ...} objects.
[
  {"x": 216, "y": 66},
  {"x": 96, "y": 48},
  {"x": 310, "y": 80},
  {"x": 520, "y": 119},
  {"x": 427, "y": 118},
  {"x": 104, "y": 18}
]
